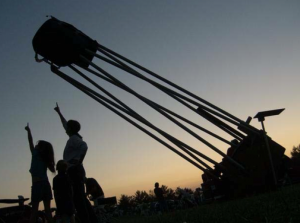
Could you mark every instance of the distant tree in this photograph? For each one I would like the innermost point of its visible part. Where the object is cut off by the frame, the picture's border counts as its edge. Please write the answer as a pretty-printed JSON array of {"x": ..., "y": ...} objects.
[
  {"x": 178, "y": 191},
  {"x": 126, "y": 202},
  {"x": 152, "y": 196},
  {"x": 169, "y": 193},
  {"x": 164, "y": 188},
  {"x": 141, "y": 197},
  {"x": 296, "y": 154},
  {"x": 183, "y": 192},
  {"x": 188, "y": 190}
]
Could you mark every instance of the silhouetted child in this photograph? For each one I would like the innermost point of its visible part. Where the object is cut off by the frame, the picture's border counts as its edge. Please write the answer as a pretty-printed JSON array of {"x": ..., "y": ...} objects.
[
  {"x": 63, "y": 194},
  {"x": 42, "y": 158}
]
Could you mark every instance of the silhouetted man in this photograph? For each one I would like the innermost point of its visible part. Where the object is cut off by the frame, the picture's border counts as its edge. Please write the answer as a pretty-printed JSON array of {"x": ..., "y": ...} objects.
[
  {"x": 160, "y": 197},
  {"x": 74, "y": 154}
]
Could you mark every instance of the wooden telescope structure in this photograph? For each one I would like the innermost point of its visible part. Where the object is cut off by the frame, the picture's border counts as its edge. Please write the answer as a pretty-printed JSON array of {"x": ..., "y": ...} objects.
[{"x": 244, "y": 167}]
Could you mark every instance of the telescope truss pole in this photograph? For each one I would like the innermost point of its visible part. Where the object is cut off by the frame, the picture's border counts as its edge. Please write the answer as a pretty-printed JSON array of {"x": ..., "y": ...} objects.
[
  {"x": 148, "y": 123},
  {"x": 104, "y": 101},
  {"x": 106, "y": 50},
  {"x": 152, "y": 104},
  {"x": 169, "y": 111}
]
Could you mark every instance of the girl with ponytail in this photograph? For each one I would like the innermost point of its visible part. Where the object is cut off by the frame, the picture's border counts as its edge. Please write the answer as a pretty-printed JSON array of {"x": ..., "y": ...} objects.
[{"x": 42, "y": 159}]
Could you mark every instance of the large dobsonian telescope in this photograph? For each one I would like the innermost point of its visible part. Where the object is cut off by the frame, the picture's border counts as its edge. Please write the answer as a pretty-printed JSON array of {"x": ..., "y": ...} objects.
[{"x": 253, "y": 161}]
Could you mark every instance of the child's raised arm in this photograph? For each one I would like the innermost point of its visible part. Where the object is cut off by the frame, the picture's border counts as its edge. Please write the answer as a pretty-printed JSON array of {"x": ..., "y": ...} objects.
[
  {"x": 62, "y": 118},
  {"x": 30, "y": 140}
]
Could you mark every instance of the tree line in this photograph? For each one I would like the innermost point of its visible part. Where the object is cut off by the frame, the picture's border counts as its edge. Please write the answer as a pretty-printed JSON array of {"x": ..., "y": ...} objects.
[
  {"x": 295, "y": 154},
  {"x": 142, "y": 197}
]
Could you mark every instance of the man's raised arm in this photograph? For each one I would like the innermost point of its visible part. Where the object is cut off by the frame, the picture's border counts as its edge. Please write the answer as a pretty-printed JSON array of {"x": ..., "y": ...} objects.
[{"x": 62, "y": 118}]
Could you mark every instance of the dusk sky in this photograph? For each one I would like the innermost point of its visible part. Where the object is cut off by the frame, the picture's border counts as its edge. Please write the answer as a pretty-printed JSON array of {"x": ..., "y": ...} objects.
[{"x": 243, "y": 56}]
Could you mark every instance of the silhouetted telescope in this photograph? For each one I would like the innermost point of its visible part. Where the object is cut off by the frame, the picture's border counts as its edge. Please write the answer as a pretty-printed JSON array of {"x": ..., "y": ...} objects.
[{"x": 62, "y": 45}]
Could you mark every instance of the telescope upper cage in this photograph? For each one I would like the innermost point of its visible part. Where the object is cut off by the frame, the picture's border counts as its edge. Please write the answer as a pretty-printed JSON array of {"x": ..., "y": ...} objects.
[{"x": 62, "y": 44}]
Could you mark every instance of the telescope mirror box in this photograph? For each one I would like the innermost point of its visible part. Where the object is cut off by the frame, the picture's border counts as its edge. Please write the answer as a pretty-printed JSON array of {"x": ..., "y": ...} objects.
[{"x": 63, "y": 44}]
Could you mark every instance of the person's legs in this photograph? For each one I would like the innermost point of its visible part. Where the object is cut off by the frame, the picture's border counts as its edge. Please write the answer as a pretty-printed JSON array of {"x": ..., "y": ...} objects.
[
  {"x": 77, "y": 175},
  {"x": 160, "y": 207},
  {"x": 36, "y": 197},
  {"x": 165, "y": 206},
  {"x": 92, "y": 214},
  {"x": 79, "y": 201},
  {"x": 48, "y": 211},
  {"x": 83, "y": 206},
  {"x": 34, "y": 211},
  {"x": 85, "y": 211},
  {"x": 47, "y": 197}
]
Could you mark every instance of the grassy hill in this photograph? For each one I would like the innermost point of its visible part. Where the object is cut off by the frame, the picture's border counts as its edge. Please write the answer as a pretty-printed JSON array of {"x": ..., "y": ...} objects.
[{"x": 282, "y": 206}]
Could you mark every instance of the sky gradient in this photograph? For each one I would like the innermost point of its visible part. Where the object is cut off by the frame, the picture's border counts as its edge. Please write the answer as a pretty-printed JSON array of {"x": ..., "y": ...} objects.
[{"x": 242, "y": 56}]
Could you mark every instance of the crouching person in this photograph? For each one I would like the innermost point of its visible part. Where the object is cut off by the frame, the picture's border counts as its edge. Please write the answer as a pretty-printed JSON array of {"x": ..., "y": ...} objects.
[
  {"x": 63, "y": 194},
  {"x": 93, "y": 190}
]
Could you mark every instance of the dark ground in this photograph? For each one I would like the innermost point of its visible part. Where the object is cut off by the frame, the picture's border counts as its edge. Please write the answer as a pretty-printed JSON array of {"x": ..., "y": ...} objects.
[{"x": 281, "y": 206}]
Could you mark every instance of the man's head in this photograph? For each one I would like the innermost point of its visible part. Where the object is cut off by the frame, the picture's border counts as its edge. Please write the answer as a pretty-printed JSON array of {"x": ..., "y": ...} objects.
[
  {"x": 73, "y": 127},
  {"x": 61, "y": 166},
  {"x": 156, "y": 185}
]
